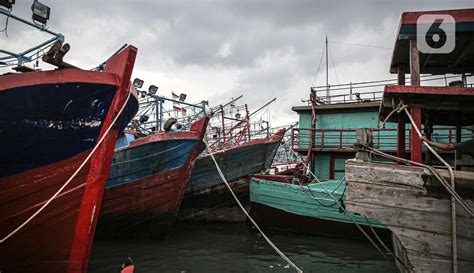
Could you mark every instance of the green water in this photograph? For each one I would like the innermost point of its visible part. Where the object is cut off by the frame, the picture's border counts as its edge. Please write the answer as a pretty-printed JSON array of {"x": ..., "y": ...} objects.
[{"x": 236, "y": 248}]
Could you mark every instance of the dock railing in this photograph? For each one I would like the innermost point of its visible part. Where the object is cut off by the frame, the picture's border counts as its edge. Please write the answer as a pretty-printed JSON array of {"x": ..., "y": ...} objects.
[{"x": 342, "y": 140}]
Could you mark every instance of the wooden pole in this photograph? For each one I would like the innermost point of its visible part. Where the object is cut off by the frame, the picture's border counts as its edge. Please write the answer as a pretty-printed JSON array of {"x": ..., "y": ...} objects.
[
  {"x": 458, "y": 139},
  {"x": 415, "y": 141},
  {"x": 401, "y": 75},
  {"x": 401, "y": 150},
  {"x": 414, "y": 63}
]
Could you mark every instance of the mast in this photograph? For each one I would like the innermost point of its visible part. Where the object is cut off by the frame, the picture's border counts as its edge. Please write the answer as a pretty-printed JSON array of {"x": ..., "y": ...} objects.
[{"x": 327, "y": 74}]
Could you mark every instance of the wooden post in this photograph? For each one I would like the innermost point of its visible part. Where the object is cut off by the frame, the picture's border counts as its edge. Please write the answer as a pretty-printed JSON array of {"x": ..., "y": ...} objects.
[
  {"x": 363, "y": 138},
  {"x": 415, "y": 141},
  {"x": 401, "y": 151},
  {"x": 458, "y": 134},
  {"x": 414, "y": 63},
  {"x": 401, "y": 75},
  {"x": 428, "y": 133},
  {"x": 331, "y": 165},
  {"x": 458, "y": 139}
]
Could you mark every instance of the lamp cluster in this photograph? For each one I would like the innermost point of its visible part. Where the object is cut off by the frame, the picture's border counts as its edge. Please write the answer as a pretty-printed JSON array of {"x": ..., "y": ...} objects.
[
  {"x": 152, "y": 89},
  {"x": 40, "y": 11}
]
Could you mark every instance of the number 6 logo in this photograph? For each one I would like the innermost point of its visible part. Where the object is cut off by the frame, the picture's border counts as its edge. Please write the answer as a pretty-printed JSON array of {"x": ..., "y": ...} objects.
[{"x": 436, "y": 33}]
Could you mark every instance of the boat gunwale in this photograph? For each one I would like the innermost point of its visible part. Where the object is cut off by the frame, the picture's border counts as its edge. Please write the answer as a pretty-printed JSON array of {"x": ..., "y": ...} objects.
[{"x": 71, "y": 75}]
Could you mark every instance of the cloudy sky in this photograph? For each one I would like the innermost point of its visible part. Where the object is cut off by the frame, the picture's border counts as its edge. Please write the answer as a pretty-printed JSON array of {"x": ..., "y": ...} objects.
[{"x": 215, "y": 50}]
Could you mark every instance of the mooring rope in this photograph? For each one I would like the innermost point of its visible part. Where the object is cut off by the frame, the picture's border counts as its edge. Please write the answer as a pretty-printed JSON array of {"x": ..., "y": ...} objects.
[
  {"x": 247, "y": 214},
  {"x": 347, "y": 215},
  {"x": 449, "y": 187},
  {"x": 453, "y": 200},
  {"x": 72, "y": 176},
  {"x": 433, "y": 171}
]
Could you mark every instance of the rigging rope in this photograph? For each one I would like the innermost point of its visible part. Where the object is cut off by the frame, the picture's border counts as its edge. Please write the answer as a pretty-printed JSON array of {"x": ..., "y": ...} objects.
[
  {"x": 72, "y": 176},
  {"x": 453, "y": 200},
  {"x": 315, "y": 78},
  {"x": 247, "y": 214},
  {"x": 348, "y": 215},
  {"x": 449, "y": 187}
]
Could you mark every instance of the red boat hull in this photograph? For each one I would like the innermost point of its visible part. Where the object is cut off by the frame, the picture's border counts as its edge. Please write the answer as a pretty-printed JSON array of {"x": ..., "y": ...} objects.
[
  {"x": 59, "y": 238},
  {"x": 148, "y": 206}
]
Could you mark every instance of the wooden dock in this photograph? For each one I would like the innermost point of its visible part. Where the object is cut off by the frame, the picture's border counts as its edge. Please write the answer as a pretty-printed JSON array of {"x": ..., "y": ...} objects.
[{"x": 417, "y": 208}]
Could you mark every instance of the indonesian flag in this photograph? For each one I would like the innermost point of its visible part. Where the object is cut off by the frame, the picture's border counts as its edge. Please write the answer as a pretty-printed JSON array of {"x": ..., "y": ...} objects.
[{"x": 176, "y": 106}]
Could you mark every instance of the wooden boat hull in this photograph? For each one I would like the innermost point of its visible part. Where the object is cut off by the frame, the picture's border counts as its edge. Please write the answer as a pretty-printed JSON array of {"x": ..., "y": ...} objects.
[
  {"x": 147, "y": 183},
  {"x": 206, "y": 193},
  {"x": 417, "y": 209},
  {"x": 277, "y": 203},
  {"x": 216, "y": 204},
  {"x": 55, "y": 120}
]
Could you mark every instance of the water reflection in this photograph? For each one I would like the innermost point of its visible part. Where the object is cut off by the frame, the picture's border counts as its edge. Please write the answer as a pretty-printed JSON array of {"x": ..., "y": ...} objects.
[{"x": 196, "y": 248}]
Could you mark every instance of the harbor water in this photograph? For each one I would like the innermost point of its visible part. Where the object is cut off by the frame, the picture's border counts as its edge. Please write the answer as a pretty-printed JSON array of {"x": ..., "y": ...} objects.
[{"x": 208, "y": 248}]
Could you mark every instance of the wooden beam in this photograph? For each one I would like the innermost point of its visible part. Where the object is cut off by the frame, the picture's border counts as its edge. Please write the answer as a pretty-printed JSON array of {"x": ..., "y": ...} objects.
[
  {"x": 415, "y": 141},
  {"x": 414, "y": 63},
  {"x": 401, "y": 75},
  {"x": 458, "y": 139},
  {"x": 401, "y": 151},
  {"x": 428, "y": 133}
]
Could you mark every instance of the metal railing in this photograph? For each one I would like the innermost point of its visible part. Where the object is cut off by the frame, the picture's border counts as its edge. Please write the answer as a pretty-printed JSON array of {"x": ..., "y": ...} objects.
[
  {"x": 373, "y": 90},
  {"x": 353, "y": 97},
  {"x": 342, "y": 140}
]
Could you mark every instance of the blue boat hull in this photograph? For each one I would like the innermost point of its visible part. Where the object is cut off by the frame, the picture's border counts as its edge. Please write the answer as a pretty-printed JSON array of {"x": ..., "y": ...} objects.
[{"x": 207, "y": 197}]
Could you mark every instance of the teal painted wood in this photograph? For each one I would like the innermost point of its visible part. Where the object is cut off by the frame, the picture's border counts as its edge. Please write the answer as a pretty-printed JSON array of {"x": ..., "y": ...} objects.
[
  {"x": 299, "y": 200},
  {"x": 351, "y": 119}
]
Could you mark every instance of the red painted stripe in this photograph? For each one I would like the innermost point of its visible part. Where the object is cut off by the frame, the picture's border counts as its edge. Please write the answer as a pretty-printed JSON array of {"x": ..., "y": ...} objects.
[
  {"x": 56, "y": 76},
  {"x": 459, "y": 15},
  {"x": 430, "y": 90}
]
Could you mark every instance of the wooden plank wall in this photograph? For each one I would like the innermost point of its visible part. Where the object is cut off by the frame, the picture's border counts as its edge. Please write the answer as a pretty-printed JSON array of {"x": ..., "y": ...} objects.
[{"x": 417, "y": 211}]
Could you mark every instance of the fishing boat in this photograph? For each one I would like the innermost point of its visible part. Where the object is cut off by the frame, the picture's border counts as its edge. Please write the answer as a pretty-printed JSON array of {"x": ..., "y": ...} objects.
[
  {"x": 426, "y": 198},
  {"x": 58, "y": 131},
  {"x": 147, "y": 181},
  {"x": 285, "y": 202},
  {"x": 208, "y": 198}
]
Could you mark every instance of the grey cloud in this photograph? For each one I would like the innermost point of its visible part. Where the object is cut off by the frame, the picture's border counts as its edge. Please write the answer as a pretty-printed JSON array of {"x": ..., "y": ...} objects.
[{"x": 262, "y": 49}]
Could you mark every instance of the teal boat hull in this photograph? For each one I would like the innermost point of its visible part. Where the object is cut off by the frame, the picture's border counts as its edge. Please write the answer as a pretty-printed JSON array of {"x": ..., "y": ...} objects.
[{"x": 277, "y": 203}]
